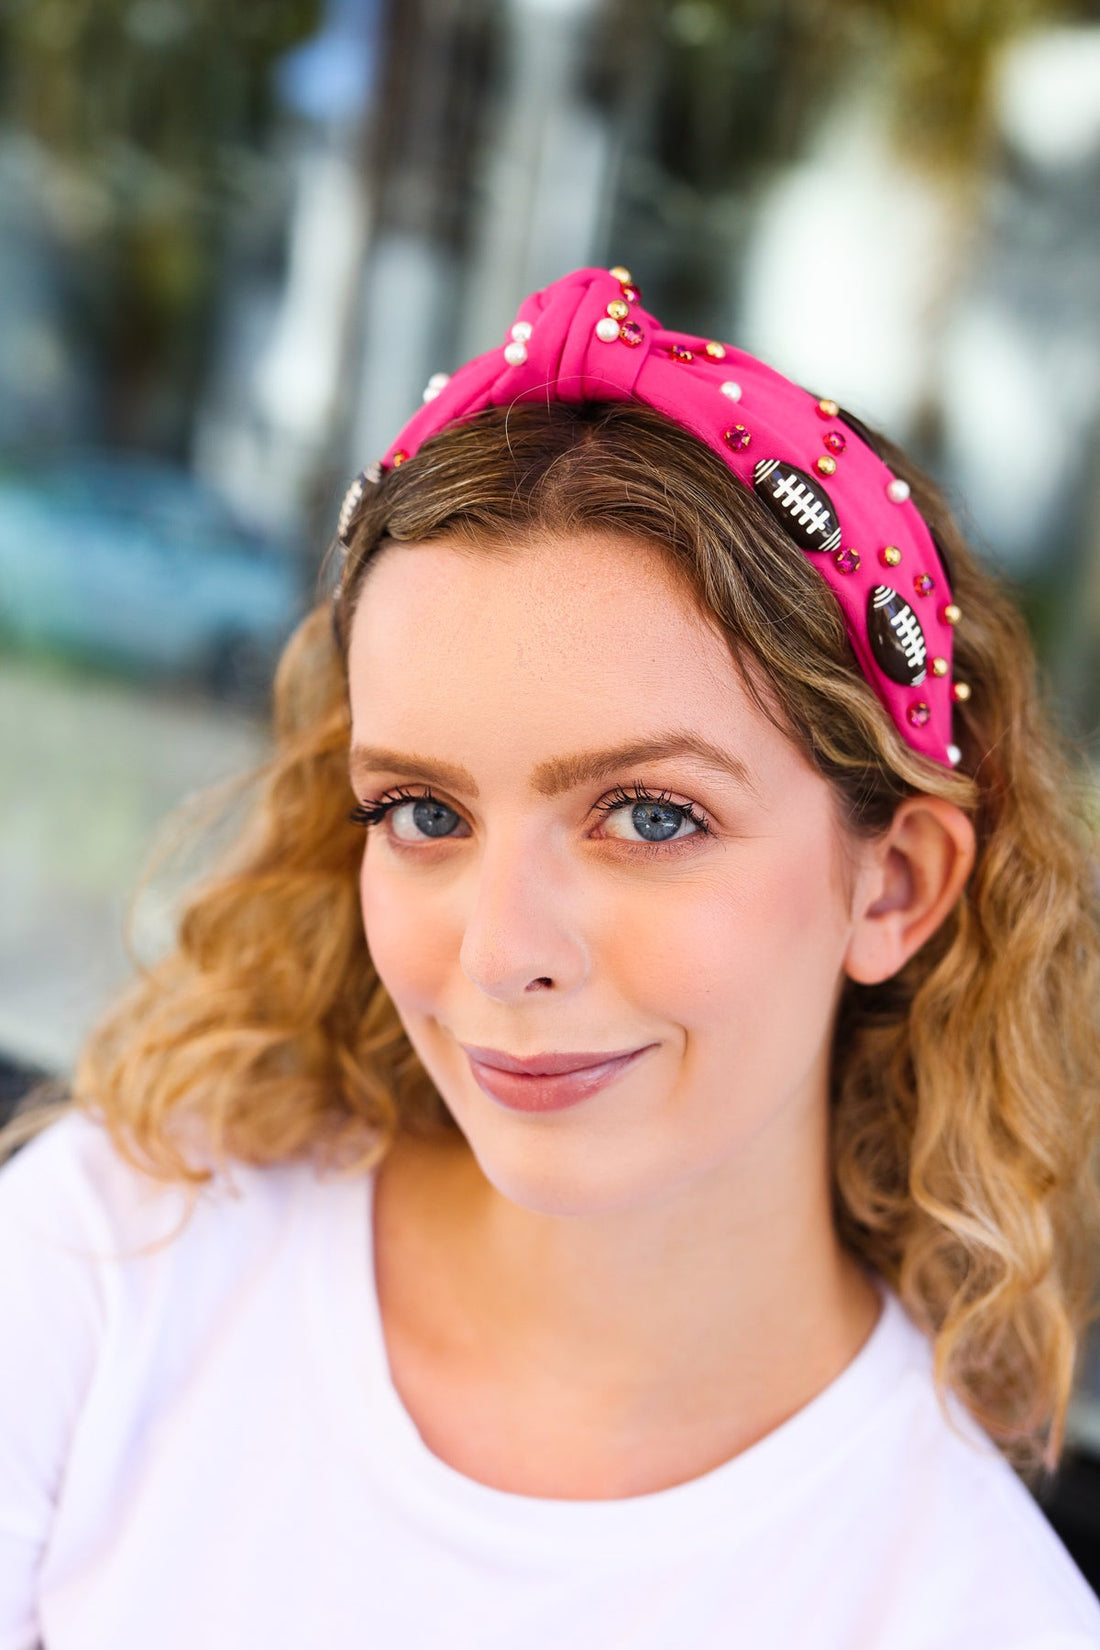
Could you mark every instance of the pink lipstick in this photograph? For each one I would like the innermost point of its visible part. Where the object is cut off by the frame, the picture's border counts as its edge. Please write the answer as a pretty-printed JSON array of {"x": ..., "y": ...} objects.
[{"x": 549, "y": 1090}]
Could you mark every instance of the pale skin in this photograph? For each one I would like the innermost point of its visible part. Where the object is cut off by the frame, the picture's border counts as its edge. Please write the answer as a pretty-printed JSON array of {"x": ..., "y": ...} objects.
[{"x": 612, "y": 1299}]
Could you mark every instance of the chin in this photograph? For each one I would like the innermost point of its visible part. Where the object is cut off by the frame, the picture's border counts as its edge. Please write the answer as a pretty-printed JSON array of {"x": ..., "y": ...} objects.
[{"x": 583, "y": 1177}]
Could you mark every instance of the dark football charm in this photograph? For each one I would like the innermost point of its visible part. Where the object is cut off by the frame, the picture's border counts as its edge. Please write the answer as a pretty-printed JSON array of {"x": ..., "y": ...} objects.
[
  {"x": 799, "y": 504},
  {"x": 897, "y": 640}
]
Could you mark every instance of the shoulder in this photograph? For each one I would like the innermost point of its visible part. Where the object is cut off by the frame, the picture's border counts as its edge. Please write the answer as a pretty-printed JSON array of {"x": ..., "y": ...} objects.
[
  {"x": 69, "y": 1196},
  {"x": 972, "y": 1550}
]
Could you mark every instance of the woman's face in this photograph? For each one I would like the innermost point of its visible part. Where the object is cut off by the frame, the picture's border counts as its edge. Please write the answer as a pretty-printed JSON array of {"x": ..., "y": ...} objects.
[{"x": 539, "y": 922}]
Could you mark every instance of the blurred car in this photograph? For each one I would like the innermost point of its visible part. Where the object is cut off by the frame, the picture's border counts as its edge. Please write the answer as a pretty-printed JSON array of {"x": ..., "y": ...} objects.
[{"x": 129, "y": 561}]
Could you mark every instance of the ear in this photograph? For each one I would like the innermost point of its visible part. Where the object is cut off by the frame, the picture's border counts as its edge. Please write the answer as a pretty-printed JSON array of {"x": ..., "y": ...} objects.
[{"x": 908, "y": 881}]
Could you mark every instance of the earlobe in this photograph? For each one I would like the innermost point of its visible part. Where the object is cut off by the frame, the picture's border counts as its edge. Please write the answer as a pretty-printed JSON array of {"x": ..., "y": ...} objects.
[{"x": 910, "y": 880}]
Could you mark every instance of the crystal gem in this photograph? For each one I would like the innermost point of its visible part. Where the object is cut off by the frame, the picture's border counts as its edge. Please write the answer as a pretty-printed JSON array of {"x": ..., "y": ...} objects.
[
  {"x": 631, "y": 333},
  {"x": 738, "y": 438},
  {"x": 924, "y": 584},
  {"x": 679, "y": 353},
  {"x": 847, "y": 560},
  {"x": 632, "y": 293},
  {"x": 918, "y": 713},
  {"x": 835, "y": 441}
]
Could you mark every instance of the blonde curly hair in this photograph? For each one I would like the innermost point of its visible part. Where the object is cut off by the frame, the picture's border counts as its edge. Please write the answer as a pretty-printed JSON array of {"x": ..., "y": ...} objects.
[{"x": 963, "y": 1091}]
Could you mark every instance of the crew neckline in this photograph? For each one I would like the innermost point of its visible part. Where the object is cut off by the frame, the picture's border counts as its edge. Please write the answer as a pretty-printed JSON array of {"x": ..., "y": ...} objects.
[{"x": 720, "y": 1504}]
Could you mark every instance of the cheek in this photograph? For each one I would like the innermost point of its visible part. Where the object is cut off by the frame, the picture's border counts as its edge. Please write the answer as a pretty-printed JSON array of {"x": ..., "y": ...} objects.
[
  {"x": 404, "y": 928},
  {"x": 749, "y": 968}
]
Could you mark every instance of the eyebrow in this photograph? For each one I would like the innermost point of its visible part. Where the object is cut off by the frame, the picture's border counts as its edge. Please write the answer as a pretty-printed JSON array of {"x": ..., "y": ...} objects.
[{"x": 560, "y": 773}]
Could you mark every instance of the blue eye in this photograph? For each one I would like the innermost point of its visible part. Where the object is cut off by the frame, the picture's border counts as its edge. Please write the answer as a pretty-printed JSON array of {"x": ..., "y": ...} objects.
[{"x": 648, "y": 813}]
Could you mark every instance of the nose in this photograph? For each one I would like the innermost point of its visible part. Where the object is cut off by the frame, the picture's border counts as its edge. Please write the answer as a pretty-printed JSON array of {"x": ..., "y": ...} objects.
[{"x": 521, "y": 925}]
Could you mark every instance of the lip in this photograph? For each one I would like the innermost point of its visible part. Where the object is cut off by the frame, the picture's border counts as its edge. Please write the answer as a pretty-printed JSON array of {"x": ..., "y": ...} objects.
[
  {"x": 524, "y": 1092},
  {"x": 545, "y": 1065}
]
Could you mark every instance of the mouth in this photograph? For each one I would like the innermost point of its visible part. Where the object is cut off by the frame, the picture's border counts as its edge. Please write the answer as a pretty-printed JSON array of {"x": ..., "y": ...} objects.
[
  {"x": 528, "y": 1092},
  {"x": 546, "y": 1065}
]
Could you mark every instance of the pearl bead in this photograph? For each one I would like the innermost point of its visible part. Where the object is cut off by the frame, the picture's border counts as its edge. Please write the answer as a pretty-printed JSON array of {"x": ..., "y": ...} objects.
[
  {"x": 430, "y": 394},
  {"x": 439, "y": 380},
  {"x": 515, "y": 354},
  {"x": 731, "y": 389},
  {"x": 522, "y": 331},
  {"x": 897, "y": 491},
  {"x": 954, "y": 755},
  {"x": 607, "y": 329}
]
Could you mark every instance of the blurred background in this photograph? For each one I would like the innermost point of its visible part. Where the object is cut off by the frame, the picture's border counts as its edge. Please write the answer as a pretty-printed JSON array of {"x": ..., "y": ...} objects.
[{"x": 237, "y": 237}]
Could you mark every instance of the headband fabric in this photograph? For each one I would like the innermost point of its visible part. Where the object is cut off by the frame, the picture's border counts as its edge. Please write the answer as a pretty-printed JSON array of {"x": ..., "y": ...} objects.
[{"x": 586, "y": 337}]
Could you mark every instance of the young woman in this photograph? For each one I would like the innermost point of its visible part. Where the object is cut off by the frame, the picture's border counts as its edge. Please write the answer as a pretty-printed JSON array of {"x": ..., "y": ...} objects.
[{"x": 611, "y": 1159}]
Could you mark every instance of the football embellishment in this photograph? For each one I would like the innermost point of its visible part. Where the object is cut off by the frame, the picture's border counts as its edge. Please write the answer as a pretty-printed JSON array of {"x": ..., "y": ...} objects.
[
  {"x": 800, "y": 504},
  {"x": 897, "y": 640}
]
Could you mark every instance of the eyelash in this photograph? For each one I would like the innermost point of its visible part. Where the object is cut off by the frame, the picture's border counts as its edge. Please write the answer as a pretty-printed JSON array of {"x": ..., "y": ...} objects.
[{"x": 372, "y": 813}]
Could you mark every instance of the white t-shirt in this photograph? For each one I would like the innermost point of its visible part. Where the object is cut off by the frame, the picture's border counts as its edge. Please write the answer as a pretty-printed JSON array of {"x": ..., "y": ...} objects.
[{"x": 201, "y": 1448}]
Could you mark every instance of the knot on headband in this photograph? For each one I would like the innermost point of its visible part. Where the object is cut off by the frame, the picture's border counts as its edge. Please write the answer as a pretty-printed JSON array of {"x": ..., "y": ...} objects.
[{"x": 586, "y": 337}]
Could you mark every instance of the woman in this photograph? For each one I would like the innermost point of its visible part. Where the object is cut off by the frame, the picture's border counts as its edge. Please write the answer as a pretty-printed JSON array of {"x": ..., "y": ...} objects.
[{"x": 642, "y": 1194}]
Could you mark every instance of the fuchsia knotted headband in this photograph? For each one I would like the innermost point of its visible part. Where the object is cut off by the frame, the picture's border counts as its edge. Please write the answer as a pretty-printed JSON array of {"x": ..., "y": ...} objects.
[{"x": 586, "y": 337}]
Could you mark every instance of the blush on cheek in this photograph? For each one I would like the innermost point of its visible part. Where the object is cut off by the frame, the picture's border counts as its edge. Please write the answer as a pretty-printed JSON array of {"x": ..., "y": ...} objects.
[{"x": 408, "y": 952}]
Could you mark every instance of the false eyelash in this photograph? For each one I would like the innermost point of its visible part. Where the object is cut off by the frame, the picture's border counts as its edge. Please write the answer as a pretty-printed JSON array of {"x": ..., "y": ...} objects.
[
  {"x": 372, "y": 813},
  {"x": 639, "y": 794}
]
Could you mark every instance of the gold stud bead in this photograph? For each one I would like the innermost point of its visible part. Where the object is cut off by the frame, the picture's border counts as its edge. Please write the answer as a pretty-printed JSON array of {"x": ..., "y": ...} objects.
[
  {"x": 717, "y": 352},
  {"x": 826, "y": 465},
  {"x": 618, "y": 309},
  {"x": 952, "y": 614},
  {"x": 398, "y": 458},
  {"x": 890, "y": 555},
  {"x": 827, "y": 408},
  {"x": 961, "y": 691},
  {"x": 620, "y": 274},
  {"x": 939, "y": 667}
]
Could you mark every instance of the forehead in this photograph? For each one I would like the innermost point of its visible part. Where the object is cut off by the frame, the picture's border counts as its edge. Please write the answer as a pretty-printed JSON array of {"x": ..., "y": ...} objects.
[
  {"x": 504, "y": 602},
  {"x": 545, "y": 646}
]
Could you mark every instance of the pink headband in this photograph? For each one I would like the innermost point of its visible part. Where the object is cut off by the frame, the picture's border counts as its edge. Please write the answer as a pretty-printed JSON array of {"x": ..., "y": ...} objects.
[{"x": 586, "y": 337}]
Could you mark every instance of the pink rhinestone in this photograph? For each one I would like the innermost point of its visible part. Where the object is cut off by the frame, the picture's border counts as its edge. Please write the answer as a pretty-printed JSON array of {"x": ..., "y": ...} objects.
[
  {"x": 847, "y": 560},
  {"x": 918, "y": 713},
  {"x": 632, "y": 293},
  {"x": 924, "y": 584},
  {"x": 738, "y": 438},
  {"x": 631, "y": 333},
  {"x": 835, "y": 441},
  {"x": 679, "y": 353}
]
